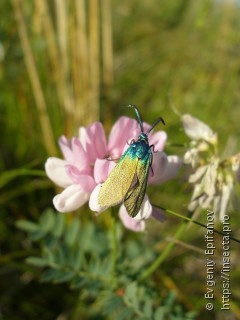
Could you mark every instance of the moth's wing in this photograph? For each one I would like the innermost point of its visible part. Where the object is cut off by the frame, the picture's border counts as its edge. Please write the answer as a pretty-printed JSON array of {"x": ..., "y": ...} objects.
[
  {"x": 134, "y": 197},
  {"x": 120, "y": 180}
]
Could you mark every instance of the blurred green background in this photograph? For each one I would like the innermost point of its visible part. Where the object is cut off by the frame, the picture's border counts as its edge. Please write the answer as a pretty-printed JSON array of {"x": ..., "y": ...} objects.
[{"x": 65, "y": 64}]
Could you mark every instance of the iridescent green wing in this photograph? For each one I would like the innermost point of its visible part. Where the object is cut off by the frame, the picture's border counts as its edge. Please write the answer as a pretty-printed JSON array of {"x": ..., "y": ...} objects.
[
  {"x": 120, "y": 180},
  {"x": 134, "y": 197}
]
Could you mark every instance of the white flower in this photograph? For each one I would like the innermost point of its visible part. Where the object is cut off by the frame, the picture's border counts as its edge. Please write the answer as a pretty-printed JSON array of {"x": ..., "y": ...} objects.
[
  {"x": 196, "y": 129},
  {"x": 213, "y": 178},
  {"x": 72, "y": 198}
]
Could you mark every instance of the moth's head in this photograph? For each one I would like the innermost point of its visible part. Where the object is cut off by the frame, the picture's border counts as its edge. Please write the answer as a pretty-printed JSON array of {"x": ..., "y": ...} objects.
[{"x": 143, "y": 137}]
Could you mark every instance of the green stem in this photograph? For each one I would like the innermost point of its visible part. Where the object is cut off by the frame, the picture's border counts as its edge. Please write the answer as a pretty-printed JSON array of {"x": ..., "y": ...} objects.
[
  {"x": 155, "y": 265},
  {"x": 196, "y": 222}
]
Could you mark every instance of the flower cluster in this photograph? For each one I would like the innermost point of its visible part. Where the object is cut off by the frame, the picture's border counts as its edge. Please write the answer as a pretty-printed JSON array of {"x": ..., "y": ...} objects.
[
  {"x": 213, "y": 178},
  {"x": 86, "y": 166}
]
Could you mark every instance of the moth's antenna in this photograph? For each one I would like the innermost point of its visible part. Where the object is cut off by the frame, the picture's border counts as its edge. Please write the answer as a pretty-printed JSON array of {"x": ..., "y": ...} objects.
[
  {"x": 155, "y": 123},
  {"x": 138, "y": 116}
]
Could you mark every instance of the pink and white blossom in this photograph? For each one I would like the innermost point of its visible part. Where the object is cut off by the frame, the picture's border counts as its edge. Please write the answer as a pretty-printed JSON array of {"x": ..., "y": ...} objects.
[
  {"x": 86, "y": 166},
  {"x": 74, "y": 174}
]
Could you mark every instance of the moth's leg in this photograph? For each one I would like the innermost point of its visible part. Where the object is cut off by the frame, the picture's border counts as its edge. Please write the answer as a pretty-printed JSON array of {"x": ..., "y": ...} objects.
[
  {"x": 151, "y": 160},
  {"x": 131, "y": 142},
  {"x": 152, "y": 146}
]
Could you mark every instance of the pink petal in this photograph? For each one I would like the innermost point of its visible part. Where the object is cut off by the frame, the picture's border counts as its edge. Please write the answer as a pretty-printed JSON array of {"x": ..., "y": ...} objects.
[
  {"x": 81, "y": 159},
  {"x": 129, "y": 222},
  {"x": 72, "y": 198},
  {"x": 146, "y": 127},
  {"x": 122, "y": 131},
  {"x": 125, "y": 148},
  {"x": 83, "y": 137},
  {"x": 158, "y": 139},
  {"x": 93, "y": 201},
  {"x": 101, "y": 169},
  {"x": 87, "y": 144},
  {"x": 158, "y": 214},
  {"x": 172, "y": 168},
  {"x": 112, "y": 165},
  {"x": 56, "y": 170},
  {"x": 85, "y": 181},
  {"x": 159, "y": 165},
  {"x": 65, "y": 146},
  {"x": 94, "y": 141},
  {"x": 99, "y": 139}
]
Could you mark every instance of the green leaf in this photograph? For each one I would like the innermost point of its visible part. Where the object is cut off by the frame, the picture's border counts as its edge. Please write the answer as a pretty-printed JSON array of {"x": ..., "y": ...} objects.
[
  {"x": 159, "y": 314},
  {"x": 72, "y": 232},
  {"x": 86, "y": 238},
  {"x": 59, "y": 225},
  {"x": 27, "y": 226},
  {"x": 64, "y": 276},
  {"x": 133, "y": 249},
  {"x": 37, "y": 235},
  {"x": 47, "y": 220},
  {"x": 79, "y": 282},
  {"x": 37, "y": 262},
  {"x": 132, "y": 295},
  {"x": 112, "y": 303},
  {"x": 51, "y": 242},
  {"x": 125, "y": 313},
  {"x": 106, "y": 266},
  {"x": 76, "y": 259},
  {"x": 94, "y": 266},
  {"x": 59, "y": 256},
  {"x": 147, "y": 308},
  {"x": 48, "y": 255},
  {"x": 48, "y": 275},
  {"x": 170, "y": 299}
]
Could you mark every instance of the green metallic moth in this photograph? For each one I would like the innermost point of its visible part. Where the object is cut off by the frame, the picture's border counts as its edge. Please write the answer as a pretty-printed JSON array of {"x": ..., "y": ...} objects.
[{"x": 128, "y": 180}]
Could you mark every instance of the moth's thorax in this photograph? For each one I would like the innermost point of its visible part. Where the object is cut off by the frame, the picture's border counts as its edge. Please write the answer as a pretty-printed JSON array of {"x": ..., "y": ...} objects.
[{"x": 141, "y": 146}]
